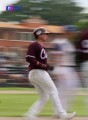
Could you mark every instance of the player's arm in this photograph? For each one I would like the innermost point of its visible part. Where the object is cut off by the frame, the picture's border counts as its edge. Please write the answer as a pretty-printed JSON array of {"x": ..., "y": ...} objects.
[
  {"x": 35, "y": 63},
  {"x": 39, "y": 65}
]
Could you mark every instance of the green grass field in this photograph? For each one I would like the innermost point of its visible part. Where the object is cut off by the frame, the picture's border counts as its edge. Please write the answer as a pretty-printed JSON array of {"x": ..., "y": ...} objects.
[
  {"x": 16, "y": 88},
  {"x": 18, "y": 104}
]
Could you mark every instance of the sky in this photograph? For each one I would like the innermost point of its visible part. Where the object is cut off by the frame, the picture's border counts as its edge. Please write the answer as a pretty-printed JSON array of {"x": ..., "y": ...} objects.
[
  {"x": 83, "y": 3},
  {"x": 4, "y": 3}
]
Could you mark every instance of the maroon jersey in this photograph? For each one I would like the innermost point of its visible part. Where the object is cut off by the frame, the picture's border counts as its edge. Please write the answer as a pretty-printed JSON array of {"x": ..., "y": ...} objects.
[
  {"x": 82, "y": 45},
  {"x": 36, "y": 53}
]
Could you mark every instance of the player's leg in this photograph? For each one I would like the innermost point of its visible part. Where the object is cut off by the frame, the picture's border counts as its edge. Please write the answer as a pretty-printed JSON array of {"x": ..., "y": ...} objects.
[
  {"x": 34, "y": 77},
  {"x": 62, "y": 92},
  {"x": 84, "y": 73},
  {"x": 51, "y": 89},
  {"x": 38, "y": 105},
  {"x": 64, "y": 85},
  {"x": 60, "y": 85},
  {"x": 68, "y": 85},
  {"x": 42, "y": 78}
]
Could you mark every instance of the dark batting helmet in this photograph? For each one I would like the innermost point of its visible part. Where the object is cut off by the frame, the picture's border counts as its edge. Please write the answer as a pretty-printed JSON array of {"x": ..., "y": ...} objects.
[{"x": 39, "y": 31}]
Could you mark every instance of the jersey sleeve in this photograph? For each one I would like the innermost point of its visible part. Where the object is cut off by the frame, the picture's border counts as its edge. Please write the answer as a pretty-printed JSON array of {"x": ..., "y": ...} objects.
[{"x": 31, "y": 51}]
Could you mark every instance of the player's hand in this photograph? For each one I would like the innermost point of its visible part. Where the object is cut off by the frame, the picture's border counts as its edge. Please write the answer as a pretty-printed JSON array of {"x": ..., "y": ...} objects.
[
  {"x": 41, "y": 65},
  {"x": 44, "y": 65},
  {"x": 51, "y": 68}
]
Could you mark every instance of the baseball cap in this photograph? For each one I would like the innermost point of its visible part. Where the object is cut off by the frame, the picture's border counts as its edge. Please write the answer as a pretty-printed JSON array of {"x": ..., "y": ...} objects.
[{"x": 40, "y": 31}]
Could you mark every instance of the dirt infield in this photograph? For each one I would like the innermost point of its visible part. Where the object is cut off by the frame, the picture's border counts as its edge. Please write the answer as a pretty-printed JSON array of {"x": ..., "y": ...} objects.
[
  {"x": 17, "y": 92},
  {"x": 40, "y": 118},
  {"x": 78, "y": 92}
]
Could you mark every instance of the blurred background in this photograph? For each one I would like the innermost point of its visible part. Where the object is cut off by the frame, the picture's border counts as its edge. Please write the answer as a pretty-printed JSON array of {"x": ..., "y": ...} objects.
[{"x": 18, "y": 19}]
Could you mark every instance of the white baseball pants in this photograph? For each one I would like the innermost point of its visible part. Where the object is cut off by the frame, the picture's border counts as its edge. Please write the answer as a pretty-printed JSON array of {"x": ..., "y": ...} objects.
[
  {"x": 66, "y": 83},
  {"x": 84, "y": 75},
  {"x": 45, "y": 88}
]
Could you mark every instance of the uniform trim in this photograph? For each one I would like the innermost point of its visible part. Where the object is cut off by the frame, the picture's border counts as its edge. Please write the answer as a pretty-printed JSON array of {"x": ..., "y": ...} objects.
[
  {"x": 30, "y": 56},
  {"x": 85, "y": 51}
]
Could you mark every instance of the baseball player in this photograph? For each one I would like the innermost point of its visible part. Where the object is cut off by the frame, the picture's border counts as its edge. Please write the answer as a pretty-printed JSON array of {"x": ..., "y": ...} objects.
[
  {"x": 39, "y": 77},
  {"x": 82, "y": 50},
  {"x": 66, "y": 77}
]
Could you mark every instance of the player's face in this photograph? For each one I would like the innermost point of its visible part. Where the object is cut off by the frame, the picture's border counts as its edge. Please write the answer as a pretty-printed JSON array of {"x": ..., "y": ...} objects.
[{"x": 44, "y": 37}]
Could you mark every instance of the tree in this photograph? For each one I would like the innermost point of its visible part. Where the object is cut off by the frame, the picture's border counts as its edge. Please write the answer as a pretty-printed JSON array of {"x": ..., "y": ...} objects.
[
  {"x": 56, "y": 12},
  {"x": 82, "y": 24}
]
